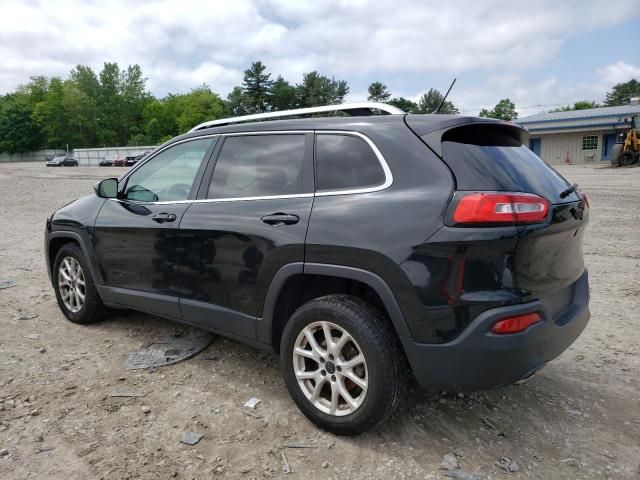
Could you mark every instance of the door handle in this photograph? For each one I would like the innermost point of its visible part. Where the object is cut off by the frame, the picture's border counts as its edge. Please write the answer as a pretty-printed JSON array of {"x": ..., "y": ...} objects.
[
  {"x": 278, "y": 219},
  {"x": 164, "y": 217}
]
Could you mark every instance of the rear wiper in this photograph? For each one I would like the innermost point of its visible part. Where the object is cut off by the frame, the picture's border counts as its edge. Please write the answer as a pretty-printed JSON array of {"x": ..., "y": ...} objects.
[{"x": 569, "y": 191}]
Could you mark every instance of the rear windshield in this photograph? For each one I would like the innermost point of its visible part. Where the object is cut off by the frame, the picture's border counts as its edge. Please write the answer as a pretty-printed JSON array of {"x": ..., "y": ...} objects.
[{"x": 494, "y": 161}]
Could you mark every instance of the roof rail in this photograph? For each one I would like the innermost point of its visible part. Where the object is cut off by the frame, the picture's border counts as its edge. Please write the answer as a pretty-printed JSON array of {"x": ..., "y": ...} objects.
[{"x": 356, "y": 109}]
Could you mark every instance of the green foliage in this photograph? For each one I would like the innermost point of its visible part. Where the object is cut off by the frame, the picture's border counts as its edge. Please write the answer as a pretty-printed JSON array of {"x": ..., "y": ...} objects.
[
  {"x": 158, "y": 121},
  {"x": 505, "y": 109},
  {"x": 317, "y": 89},
  {"x": 257, "y": 86},
  {"x": 404, "y": 104},
  {"x": 283, "y": 95},
  {"x": 579, "y": 105},
  {"x": 378, "y": 92},
  {"x": 139, "y": 139},
  {"x": 237, "y": 102},
  {"x": 113, "y": 107},
  {"x": 195, "y": 107},
  {"x": 430, "y": 101},
  {"x": 621, "y": 93},
  {"x": 19, "y": 132},
  {"x": 258, "y": 93}
]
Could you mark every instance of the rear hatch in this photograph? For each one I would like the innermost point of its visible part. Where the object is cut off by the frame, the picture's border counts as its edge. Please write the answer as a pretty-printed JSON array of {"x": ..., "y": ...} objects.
[{"x": 491, "y": 158}]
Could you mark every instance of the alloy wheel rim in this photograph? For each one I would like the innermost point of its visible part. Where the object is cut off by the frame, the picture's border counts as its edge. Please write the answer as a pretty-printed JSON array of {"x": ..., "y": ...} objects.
[
  {"x": 71, "y": 284},
  {"x": 330, "y": 368}
]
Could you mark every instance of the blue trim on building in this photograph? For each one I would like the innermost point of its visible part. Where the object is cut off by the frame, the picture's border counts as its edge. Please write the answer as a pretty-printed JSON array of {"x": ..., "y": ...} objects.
[
  {"x": 524, "y": 121},
  {"x": 570, "y": 127}
]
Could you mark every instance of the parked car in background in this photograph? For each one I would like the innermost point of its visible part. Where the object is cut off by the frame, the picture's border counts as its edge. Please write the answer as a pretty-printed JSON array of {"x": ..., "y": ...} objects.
[
  {"x": 119, "y": 161},
  {"x": 113, "y": 160},
  {"x": 63, "y": 161},
  {"x": 134, "y": 158}
]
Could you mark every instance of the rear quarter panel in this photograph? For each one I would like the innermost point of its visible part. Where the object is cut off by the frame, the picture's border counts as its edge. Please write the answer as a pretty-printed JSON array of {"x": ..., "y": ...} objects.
[{"x": 377, "y": 231}]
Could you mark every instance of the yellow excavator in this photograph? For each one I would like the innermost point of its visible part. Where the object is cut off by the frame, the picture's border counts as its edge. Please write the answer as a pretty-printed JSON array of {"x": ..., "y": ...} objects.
[{"x": 626, "y": 151}]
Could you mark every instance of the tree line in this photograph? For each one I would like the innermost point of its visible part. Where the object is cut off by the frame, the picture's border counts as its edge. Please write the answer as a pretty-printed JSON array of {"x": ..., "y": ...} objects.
[
  {"x": 114, "y": 107},
  {"x": 620, "y": 94}
]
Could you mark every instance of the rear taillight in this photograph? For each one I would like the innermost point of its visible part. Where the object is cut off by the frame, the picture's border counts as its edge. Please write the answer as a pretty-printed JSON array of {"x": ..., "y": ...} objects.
[
  {"x": 515, "y": 324},
  {"x": 489, "y": 207}
]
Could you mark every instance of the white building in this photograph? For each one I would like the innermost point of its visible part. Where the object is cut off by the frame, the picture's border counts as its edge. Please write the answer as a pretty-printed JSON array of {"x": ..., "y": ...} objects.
[{"x": 577, "y": 136}]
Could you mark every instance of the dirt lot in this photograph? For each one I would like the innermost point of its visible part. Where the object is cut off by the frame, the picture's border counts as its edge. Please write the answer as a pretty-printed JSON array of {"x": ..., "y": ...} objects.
[{"x": 578, "y": 418}]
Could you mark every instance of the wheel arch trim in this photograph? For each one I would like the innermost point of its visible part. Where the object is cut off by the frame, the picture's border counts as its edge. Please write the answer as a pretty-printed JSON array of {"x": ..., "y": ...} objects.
[
  {"x": 74, "y": 237},
  {"x": 264, "y": 327}
]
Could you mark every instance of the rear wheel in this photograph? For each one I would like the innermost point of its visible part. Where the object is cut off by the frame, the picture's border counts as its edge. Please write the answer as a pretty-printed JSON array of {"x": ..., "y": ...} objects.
[
  {"x": 342, "y": 364},
  {"x": 75, "y": 291},
  {"x": 616, "y": 153}
]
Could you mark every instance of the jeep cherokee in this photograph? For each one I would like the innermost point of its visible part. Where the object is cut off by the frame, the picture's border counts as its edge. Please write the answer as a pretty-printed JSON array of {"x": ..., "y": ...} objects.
[{"x": 360, "y": 248}]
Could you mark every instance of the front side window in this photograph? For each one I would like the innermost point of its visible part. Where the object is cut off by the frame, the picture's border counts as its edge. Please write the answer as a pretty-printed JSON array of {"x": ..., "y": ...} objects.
[
  {"x": 169, "y": 176},
  {"x": 346, "y": 162},
  {"x": 259, "y": 166},
  {"x": 590, "y": 142}
]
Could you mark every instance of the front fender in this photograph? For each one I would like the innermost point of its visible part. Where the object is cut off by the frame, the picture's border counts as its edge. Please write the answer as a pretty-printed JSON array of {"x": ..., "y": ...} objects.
[{"x": 74, "y": 221}]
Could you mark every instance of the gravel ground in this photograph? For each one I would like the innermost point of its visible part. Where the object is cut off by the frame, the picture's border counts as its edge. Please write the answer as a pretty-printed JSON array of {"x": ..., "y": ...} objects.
[{"x": 578, "y": 418}]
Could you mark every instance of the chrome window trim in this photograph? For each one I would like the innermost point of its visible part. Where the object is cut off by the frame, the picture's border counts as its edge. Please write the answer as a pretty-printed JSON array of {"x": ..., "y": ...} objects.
[
  {"x": 217, "y": 200},
  {"x": 388, "y": 176},
  {"x": 350, "y": 191},
  {"x": 266, "y": 132},
  {"x": 244, "y": 199}
]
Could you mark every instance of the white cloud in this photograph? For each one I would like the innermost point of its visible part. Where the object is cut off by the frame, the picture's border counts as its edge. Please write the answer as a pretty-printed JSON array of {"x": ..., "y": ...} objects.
[
  {"x": 182, "y": 44},
  {"x": 530, "y": 97},
  {"x": 618, "y": 72}
]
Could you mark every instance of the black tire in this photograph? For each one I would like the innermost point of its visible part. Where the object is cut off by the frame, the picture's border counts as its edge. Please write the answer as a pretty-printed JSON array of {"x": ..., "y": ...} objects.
[
  {"x": 616, "y": 153},
  {"x": 385, "y": 361},
  {"x": 92, "y": 310},
  {"x": 626, "y": 159}
]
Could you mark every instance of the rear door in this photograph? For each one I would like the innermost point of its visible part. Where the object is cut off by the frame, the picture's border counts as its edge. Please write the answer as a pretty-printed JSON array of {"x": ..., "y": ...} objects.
[
  {"x": 136, "y": 236},
  {"x": 250, "y": 219}
]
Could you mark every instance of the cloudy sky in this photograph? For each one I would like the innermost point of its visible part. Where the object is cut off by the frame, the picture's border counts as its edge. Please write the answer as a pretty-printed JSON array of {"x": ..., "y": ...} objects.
[{"x": 538, "y": 53}]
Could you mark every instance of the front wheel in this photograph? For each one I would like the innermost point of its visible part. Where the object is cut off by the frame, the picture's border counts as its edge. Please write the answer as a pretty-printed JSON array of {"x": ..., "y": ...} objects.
[
  {"x": 627, "y": 159},
  {"x": 75, "y": 291},
  {"x": 342, "y": 364}
]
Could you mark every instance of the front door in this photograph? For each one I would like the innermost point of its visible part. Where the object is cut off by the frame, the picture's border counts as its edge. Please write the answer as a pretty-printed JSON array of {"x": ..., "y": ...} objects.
[
  {"x": 136, "y": 236},
  {"x": 250, "y": 219},
  {"x": 608, "y": 141}
]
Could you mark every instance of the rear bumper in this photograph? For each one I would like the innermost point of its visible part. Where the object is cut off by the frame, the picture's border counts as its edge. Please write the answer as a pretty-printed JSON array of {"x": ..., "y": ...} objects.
[{"x": 479, "y": 359}]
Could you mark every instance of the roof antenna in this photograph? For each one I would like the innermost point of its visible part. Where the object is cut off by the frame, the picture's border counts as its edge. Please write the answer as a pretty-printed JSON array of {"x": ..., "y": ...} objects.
[{"x": 445, "y": 96}]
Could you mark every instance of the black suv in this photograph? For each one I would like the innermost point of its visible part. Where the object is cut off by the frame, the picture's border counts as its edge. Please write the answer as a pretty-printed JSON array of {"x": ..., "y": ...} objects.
[{"x": 360, "y": 248}]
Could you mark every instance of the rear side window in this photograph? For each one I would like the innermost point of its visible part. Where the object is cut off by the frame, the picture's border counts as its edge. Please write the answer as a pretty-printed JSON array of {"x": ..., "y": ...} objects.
[
  {"x": 346, "y": 162},
  {"x": 259, "y": 166},
  {"x": 487, "y": 158}
]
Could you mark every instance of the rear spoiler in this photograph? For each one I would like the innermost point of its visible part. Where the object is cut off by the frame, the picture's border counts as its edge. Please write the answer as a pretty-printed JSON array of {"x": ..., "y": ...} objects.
[{"x": 433, "y": 131}]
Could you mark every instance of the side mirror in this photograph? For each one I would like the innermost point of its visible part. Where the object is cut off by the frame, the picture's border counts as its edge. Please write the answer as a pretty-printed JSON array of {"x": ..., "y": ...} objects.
[{"x": 107, "y": 188}]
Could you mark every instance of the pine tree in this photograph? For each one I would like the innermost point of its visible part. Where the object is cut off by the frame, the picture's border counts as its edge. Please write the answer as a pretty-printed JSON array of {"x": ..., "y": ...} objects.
[
  {"x": 378, "y": 92},
  {"x": 430, "y": 101},
  {"x": 257, "y": 85}
]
